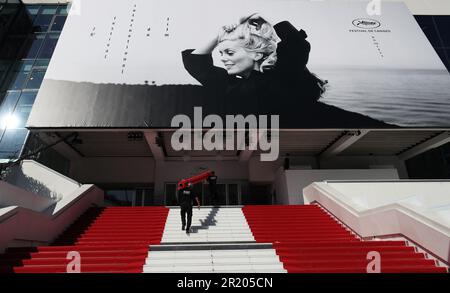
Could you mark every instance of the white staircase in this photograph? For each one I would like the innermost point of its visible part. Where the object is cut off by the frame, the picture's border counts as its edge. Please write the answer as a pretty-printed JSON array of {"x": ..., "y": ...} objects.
[
  {"x": 208, "y": 225},
  {"x": 220, "y": 241}
]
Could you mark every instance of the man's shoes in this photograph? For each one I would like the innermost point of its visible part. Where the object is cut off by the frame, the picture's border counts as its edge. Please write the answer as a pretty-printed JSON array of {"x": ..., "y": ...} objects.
[
  {"x": 183, "y": 227},
  {"x": 188, "y": 230}
]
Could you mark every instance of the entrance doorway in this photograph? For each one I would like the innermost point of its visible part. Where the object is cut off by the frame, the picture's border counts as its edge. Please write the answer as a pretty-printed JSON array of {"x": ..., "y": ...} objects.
[{"x": 136, "y": 197}]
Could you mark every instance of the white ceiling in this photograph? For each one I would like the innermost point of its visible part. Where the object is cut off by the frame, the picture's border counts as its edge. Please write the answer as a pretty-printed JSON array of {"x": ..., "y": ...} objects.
[{"x": 115, "y": 143}]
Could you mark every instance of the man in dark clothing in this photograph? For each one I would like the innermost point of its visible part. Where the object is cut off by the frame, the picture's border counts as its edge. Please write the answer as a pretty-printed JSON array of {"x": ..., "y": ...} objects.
[
  {"x": 212, "y": 181},
  {"x": 185, "y": 198}
]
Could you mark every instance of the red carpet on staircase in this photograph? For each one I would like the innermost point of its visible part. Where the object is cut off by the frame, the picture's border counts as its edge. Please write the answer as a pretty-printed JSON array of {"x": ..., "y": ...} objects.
[
  {"x": 309, "y": 240},
  {"x": 113, "y": 240}
]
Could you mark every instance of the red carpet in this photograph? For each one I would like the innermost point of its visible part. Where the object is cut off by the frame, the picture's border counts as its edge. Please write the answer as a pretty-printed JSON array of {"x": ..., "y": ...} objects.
[
  {"x": 308, "y": 240},
  {"x": 114, "y": 239}
]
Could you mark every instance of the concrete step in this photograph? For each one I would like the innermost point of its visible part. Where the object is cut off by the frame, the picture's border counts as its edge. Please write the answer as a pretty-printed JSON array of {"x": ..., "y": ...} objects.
[
  {"x": 177, "y": 220},
  {"x": 212, "y": 254},
  {"x": 154, "y": 262},
  {"x": 234, "y": 268},
  {"x": 198, "y": 226},
  {"x": 209, "y": 237},
  {"x": 195, "y": 231},
  {"x": 218, "y": 226}
]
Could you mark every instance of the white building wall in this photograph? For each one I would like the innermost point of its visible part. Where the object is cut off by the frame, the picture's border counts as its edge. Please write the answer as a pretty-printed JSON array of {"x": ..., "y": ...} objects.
[{"x": 293, "y": 181}]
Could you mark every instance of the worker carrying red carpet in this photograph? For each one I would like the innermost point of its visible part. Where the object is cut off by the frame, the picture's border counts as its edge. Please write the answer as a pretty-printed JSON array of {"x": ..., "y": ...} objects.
[
  {"x": 185, "y": 198},
  {"x": 186, "y": 195}
]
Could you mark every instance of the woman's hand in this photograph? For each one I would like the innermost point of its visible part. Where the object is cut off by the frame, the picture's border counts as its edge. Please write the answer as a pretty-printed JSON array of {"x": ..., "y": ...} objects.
[{"x": 230, "y": 27}]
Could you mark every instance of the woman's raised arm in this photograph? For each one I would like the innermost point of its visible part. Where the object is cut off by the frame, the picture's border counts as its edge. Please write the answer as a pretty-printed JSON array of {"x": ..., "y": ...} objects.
[{"x": 207, "y": 48}]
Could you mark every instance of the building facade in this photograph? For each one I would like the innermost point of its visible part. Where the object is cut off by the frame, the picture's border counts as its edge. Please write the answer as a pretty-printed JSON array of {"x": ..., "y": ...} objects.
[{"x": 139, "y": 166}]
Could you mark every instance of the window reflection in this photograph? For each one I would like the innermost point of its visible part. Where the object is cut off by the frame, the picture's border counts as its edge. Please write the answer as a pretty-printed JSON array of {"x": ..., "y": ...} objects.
[
  {"x": 17, "y": 75},
  {"x": 27, "y": 40},
  {"x": 7, "y": 107},
  {"x": 32, "y": 11},
  {"x": 35, "y": 80},
  {"x": 23, "y": 108},
  {"x": 43, "y": 20},
  {"x": 119, "y": 197},
  {"x": 12, "y": 143},
  {"x": 58, "y": 23},
  {"x": 32, "y": 46},
  {"x": 49, "y": 46},
  {"x": 4, "y": 67},
  {"x": 62, "y": 10}
]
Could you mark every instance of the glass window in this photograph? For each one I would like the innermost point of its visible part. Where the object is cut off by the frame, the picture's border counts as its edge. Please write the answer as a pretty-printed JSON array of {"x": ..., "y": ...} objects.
[
  {"x": 12, "y": 143},
  {"x": 62, "y": 10},
  {"x": 36, "y": 77},
  {"x": 7, "y": 107},
  {"x": 41, "y": 63},
  {"x": 49, "y": 46},
  {"x": 32, "y": 11},
  {"x": 23, "y": 65},
  {"x": 171, "y": 194},
  {"x": 32, "y": 46},
  {"x": 15, "y": 80},
  {"x": 43, "y": 20},
  {"x": 4, "y": 66},
  {"x": 58, "y": 23},
  {"x": 18, "y": 75},
  {"x": 148, "y": 197},
  {"x": 233, "y": 194},
  {"x": 23, "y": 108},
  {"x": 138, "y": 198},
  {"x": 48, "y": 9},
  {"x": 119, "y": 197}
]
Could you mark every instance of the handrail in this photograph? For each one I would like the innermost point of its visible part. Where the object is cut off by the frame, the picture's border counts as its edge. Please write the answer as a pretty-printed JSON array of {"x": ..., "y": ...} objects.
[
  {"x": 387, "y": 207},
  {"x": 387, "y": 236},
  {"x": 53, "y": 216},
  {"x": 73, "y": 201},
  {"x": 11, "y": 213},
  {"x": 31, "y": 240}
]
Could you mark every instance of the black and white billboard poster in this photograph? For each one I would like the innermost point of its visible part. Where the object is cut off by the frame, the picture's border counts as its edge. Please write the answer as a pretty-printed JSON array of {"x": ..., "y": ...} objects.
[{"x": 316, "y": 64}]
